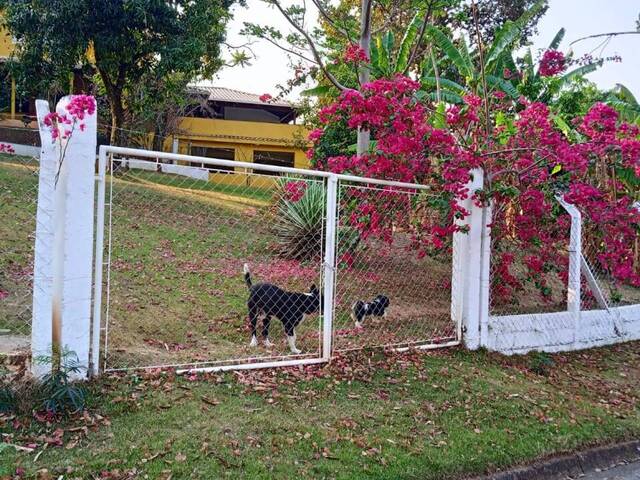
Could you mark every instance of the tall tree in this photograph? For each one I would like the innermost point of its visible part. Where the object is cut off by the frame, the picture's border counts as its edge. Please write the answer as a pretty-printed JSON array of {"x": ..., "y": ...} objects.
[
  {"x": 129, "y": 40},
  {"x": 491, "y": 16},
  {"x": 352, "y": 24}
]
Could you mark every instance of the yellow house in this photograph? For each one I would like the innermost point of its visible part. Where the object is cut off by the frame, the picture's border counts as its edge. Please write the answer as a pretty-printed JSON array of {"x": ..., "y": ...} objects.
[{"x": 234, "y": 125}]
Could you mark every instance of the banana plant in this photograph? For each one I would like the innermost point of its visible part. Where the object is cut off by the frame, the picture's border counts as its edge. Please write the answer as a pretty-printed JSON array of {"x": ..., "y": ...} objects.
[
  {"x": 386, "y": 61},
  {"x": 625, "y": 103},
  {"x": 387, "y": 58},
  {"x": 498, "y": 57}
]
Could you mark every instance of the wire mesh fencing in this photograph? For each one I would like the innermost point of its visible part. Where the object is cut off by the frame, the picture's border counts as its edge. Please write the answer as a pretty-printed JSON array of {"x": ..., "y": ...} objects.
[
  {"x": 18, "y": 202},
  {"x": 528, "y": 276},
  {"x": 177, "y": 240},
  {"x": 387, "y": 293},
  {"x": 602, "y": 287}
]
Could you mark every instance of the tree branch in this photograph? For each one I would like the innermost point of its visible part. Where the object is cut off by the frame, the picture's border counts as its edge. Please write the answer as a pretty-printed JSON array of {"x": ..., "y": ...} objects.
[
  {"x": 610, "y": 34},
  {"x": 365, "y": 39},
  {"x": 298, "y": 54},
  {"x": 416, "y": 46},
  {"x": 311, "y": 44},
  {"x": 329, "y": 20}
]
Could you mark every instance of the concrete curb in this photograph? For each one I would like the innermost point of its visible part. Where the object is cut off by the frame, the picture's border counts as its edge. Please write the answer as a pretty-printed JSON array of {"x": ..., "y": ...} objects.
[{"x": 573, "y": 465}]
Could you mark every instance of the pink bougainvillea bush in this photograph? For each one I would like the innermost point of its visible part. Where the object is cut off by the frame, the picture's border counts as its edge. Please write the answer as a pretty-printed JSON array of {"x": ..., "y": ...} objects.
[
  {"x": 527, "y": 161},
  {"x": 354, "y": 54}
]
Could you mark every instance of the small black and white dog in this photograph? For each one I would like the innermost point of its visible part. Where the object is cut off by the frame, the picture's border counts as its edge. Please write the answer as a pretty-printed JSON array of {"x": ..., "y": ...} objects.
[
  {"x": 378, "y": 308},
  {"x": 267, "y": 300}
]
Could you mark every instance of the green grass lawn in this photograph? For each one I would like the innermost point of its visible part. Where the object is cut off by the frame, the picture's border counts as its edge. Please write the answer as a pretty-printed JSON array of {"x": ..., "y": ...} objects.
[{"x": 432, "y": 415}]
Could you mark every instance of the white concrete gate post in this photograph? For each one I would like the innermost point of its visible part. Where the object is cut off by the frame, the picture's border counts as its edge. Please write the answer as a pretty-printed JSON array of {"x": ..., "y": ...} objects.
[
  {"x": 63, "y": 267},
  {"x": 470, "y": 269}
]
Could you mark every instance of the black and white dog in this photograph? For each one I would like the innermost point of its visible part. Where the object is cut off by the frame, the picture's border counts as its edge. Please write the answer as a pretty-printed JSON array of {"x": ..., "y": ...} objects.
[
  {"x": 267, "y": 300},
  {"x": 378, "y": 308}
]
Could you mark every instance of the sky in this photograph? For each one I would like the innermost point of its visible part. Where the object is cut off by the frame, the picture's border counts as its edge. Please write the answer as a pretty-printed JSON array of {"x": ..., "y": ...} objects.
[{"x": 578, "y": 17}]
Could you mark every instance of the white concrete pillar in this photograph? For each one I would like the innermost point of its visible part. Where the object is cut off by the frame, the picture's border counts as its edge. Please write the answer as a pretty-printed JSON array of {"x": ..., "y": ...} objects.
[
  {"x": 467, "y": 267},
  {"x": 575, "y": 254},
  {"x": 41, "y": 323},
  {"x": 484, "y": 294},
  {"x": 68, "y": 249}
]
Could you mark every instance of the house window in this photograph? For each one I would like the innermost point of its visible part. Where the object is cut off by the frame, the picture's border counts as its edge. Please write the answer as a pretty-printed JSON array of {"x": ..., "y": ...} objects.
[
  {"x": 280, "y": 159},
  {"x": 213, "y": 152}
]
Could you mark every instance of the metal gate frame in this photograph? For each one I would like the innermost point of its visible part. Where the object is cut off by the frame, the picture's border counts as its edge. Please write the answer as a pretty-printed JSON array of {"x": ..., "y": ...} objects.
[{"x": 329, "y": 264}]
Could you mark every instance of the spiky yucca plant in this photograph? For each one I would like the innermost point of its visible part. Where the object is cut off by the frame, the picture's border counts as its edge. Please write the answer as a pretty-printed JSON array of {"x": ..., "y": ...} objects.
[{"x": 299, "y": 222}]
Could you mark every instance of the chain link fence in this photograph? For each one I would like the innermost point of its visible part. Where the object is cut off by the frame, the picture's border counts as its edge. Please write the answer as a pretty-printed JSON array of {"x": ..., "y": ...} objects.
[
  {"x": 180, "y": 231},
  {"x": 528, "y": 276},
  {"x": 600, "y": 287},
  {"x": 18, "y": 201}
]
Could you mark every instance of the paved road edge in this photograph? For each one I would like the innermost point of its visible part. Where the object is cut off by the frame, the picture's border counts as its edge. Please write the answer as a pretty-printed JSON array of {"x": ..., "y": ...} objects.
[{"x": 572, "y": 465}]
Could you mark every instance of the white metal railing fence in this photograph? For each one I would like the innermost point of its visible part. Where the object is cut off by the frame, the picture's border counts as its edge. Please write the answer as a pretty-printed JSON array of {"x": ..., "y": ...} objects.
[
  {"x": 171, "y": 244},
  {"x": 172, "y": 239}
]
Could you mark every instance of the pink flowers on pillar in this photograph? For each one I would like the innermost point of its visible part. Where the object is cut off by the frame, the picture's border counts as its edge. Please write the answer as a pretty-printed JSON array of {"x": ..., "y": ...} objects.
[{"x": 63, "y": 125}]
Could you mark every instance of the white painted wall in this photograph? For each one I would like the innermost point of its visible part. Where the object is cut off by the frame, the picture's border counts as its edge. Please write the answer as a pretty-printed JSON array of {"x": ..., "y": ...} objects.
[
  {"x": 182, "y": 170},
  {"x": 25, "y": 150},
  {"x": 554, "y": 332}
]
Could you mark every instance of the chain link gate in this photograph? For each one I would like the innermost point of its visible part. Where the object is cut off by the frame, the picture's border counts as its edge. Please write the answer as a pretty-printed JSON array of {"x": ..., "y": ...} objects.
[
  {"x": 378, "y": 264},
  {"x": 179, "y": 229}
]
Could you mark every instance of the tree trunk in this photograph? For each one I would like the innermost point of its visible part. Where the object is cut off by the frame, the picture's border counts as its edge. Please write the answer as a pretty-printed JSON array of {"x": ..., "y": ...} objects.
[
  {"x": 364, "y": 136},
  {"x": 117, "y": 117}
]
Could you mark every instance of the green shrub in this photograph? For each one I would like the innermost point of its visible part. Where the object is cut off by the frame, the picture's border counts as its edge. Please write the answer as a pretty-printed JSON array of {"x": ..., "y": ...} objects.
[
  {"x": 58, "y": 393},
  {"x": 541, "y": 363}
]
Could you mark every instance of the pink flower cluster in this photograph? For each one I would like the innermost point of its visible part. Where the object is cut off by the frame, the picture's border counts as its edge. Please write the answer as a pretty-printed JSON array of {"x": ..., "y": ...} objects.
[
  {"x": 354, "y": 54},
  {"x": 552, "y": 63},
  {"x": 406, "y": 145},
  {"x": 295, "y": 190},
  {"x": 79, "y": 107},
  {"x": 265, "y": 97},
  {"x": 6, "y": 148}
]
